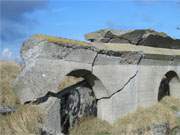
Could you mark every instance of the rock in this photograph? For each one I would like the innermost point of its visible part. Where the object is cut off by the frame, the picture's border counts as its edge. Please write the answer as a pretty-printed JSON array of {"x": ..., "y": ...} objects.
[
  {"x": 52, "y": 119},
  {"x": 178, "y": 114},
  {"x": 145, "y": 37},
  {"x": 160, "y": 129},
  {"x": 6, "y": 110},
  {"x": 154, "y": 129}
]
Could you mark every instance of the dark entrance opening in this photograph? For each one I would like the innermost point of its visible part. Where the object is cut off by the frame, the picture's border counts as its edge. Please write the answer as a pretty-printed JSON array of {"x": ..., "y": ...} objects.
[
  {"x": 164, "y": 88},
  {"x": 78, "y": 101}
]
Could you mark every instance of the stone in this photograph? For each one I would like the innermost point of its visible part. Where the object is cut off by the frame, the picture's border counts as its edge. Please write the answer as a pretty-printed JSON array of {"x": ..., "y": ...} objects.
[
  {"x": 118, "y": 58},
  {"x": 160, "y": 129},
  {"x": 144, "y": 37},
  {"x": 81, "y": 55},
  {"x": 6, "y": 110},
  {"x": 52, "y": 119}
]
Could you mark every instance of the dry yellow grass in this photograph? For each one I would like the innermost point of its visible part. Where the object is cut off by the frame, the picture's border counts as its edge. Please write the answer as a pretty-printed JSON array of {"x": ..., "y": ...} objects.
[
  {"x": 8, "y": 72},
  {"x": 68, "y": 81},
  {"x": 91, "y": 126},
  {"x": 25, "y": 121},
  {"x": 143, "y": 118},
  {"x": 172, "y": 103}
]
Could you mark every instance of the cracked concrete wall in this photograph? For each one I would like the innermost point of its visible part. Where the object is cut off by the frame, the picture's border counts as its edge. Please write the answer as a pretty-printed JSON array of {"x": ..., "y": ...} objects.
[
  {"x": 141, "y": 90},
  {"x": 121, "y": 81}
]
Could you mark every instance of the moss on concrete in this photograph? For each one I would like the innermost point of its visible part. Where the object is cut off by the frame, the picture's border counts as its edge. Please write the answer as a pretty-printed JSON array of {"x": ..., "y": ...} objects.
[
  {"x": 58, "y": 40},
  {"x": 110, "y": 46}
]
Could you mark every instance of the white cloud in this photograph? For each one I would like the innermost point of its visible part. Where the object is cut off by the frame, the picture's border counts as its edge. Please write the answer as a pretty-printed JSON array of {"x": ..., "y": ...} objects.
[{"x": 6, "y": 53}]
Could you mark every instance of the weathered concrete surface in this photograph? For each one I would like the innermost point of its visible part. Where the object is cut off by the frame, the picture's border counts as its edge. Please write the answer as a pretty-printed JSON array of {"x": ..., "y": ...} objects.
[
  {"x": 145, "y": 37},
  {"x": 122, "y": 76},
  {"x": 52, "y": 119}
]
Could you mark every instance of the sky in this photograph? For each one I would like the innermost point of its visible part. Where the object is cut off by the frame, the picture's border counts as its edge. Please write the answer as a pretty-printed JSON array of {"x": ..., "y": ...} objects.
[{"x": 20, "y": 19}]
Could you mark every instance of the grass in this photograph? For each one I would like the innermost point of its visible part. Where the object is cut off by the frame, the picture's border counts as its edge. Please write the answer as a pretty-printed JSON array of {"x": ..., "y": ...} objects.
[
  {"x": 25, "y": 121},
  {"x": 142, "y": 119},
  {"x": 59, "y": 40},
  {"x": 91, "y": 126},
  {"x": 27, "y": 118},
  {"x": 172, "y": 103},
  {"x": 8, "y": 72}
]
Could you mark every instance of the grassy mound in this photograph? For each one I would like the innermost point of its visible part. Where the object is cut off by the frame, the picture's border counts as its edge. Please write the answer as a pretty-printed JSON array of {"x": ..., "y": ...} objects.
[{"x": 91, "y": 126}]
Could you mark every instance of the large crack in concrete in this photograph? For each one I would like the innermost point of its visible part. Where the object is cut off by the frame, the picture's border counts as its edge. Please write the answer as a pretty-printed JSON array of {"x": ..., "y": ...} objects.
[
  {"x": 129, "y": 80},
  {"x": 94, "y": 60}
]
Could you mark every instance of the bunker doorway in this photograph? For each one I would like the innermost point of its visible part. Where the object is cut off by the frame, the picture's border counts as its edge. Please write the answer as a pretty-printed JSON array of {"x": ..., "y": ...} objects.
[
  {"x": 78, "y": 101},
  {"x": 164, "y": 88}
]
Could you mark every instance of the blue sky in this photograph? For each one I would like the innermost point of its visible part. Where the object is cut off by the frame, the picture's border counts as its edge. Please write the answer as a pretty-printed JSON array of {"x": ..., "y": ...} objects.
[{"x": 72, "y": 19}]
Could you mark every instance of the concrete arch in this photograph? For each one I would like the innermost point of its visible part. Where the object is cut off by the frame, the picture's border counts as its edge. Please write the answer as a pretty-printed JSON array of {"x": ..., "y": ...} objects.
[
  {"x": 81, "y": 98},
  {"x": 175, "y": 86},
  {"x": 169, "y": 85},
  {"x": 95, "y": 83}
]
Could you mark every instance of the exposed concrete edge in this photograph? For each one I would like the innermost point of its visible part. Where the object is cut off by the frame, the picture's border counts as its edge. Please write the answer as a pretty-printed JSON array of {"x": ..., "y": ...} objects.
[{"x": 115, "y": 49}]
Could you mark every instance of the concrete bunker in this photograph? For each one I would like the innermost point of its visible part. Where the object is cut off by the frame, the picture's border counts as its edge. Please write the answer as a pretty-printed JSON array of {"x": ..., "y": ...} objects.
[
  {"x": 104, "y": 68},
  {"x": 167, "y": 84},
  {"x": 80, "y": 100}
]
